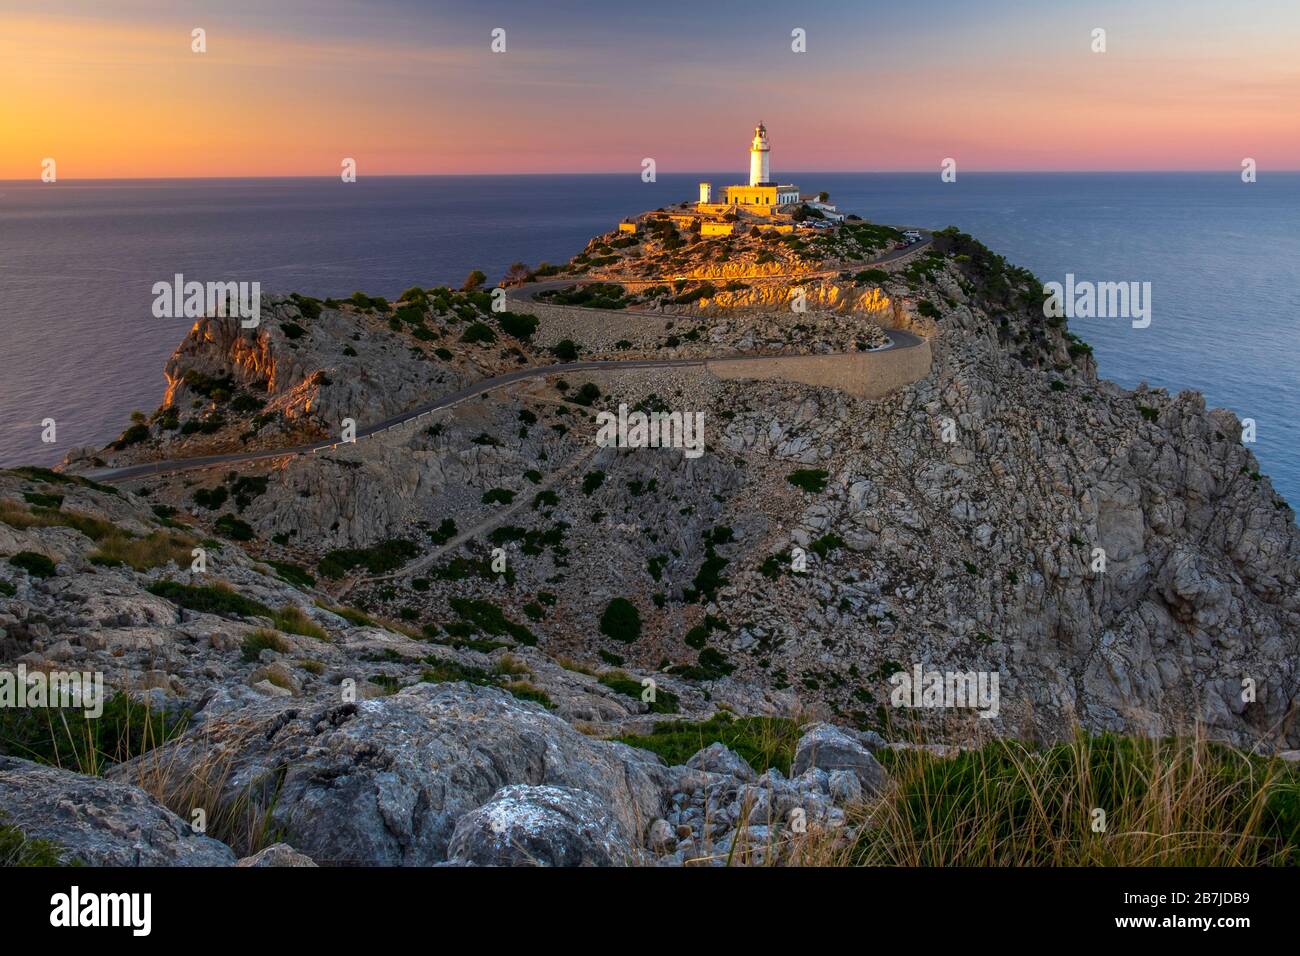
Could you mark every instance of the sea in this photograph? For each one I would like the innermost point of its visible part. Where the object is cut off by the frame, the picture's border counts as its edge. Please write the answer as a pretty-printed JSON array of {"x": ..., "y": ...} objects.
[{"x": 78, "y": 260}]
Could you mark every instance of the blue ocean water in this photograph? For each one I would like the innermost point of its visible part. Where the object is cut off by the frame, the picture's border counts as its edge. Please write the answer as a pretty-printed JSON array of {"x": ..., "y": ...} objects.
[{"x": 78, "y": 261}]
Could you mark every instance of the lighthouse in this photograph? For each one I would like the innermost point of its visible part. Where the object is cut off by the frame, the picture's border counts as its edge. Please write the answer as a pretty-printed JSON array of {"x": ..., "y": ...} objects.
[
  {"x": 758, "y": 152},
  {"x": 762, "y": 197}
]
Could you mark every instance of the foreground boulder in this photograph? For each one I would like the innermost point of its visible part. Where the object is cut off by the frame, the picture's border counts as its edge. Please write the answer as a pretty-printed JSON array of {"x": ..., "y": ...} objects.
[
  {"x": 541, "y": 826},
  {"x": 385, "y": 781},
  {"x": 827, "y": 747},
  {"x": 98, "y": 822},
  {"x": 276, "y": 855}
]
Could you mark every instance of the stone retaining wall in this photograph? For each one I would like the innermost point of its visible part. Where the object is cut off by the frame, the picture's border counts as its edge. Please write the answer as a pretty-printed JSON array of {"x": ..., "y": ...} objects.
[{"x": 869, "y": 375}]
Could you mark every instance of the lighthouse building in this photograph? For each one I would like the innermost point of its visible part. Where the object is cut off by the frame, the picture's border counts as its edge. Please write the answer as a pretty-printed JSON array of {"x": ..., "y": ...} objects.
[{"x": 762, "y": 195}]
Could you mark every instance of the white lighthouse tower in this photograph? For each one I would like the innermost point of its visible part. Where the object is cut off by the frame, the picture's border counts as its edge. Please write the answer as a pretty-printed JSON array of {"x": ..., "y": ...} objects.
[{"x": 758, "y": 152}]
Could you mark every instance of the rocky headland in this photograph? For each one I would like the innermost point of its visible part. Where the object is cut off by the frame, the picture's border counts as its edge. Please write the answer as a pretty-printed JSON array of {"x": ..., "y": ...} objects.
[{"x": 480, "y": 637}]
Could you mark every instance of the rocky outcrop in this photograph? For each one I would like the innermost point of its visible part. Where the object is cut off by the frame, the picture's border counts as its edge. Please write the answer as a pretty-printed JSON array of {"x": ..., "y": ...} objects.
[
  {"x": 385, "y": 781},
  {"x": 99, "y": 822},
  {"x": 1113, "y": 557},
  {"x": 541, "y": 826},
  {"x": 276, "y": 855},
  {"x": 829, "y": 748}
]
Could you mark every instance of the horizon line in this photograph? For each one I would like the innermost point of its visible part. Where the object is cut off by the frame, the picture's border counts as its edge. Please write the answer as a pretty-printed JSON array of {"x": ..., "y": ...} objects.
[{"x": 1233, "y": 171}]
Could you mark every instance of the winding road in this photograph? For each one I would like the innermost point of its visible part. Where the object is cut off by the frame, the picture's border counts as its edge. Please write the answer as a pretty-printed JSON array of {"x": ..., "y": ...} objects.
[{"x": 899, "y": 340}]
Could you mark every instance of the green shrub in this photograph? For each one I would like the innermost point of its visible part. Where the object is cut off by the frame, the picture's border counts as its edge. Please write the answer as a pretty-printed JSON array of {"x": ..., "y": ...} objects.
[
  {"x": 293, "y": 573},
  {"x": 521, "y": 326},
  {"x": 566, "y": 350},
  {"x": 132, "y": 436},
  {"x": 211, "y": 498},
  {"x": 584, "y": 396},
  {"x": 621, "y": 621},
  {"x": 446, "y": 671},
  {"x": 32, "y": 473},
  {"x": 261, "y": 640},
  {"x": 17, "y": 849},
  {"x": 245, "y": 404},
  {"x": 478, "y": 332},
  {"x": 209, "y": 599},
  {"x": 351, "y": 615},
  {"x": 446, "y": 531},
  {"x": 66, "y": 737},
  {"x": 711, "y": 665},
  {"x": 37, "y": 565},
  {"x": 228, "y": 526},
  {"x": 53, "y": 502},
  {"x": 1169, "y": 802},
  {"x": 826, "y": 544},
  {"x": 764, "y": 742},
  {"x": 294, "y": 620},
  {"x": 703, "y": 291},
  {"x": 379, "y": 558},
  {"x": 523, "y": 690},
  {"x": 665, "y": 701},
  {"x": 309, "y": 307},
  {"x": 812, "y": 480},
  {"x": 490, "y": 619},
  {"x": 248, "y": 487}
]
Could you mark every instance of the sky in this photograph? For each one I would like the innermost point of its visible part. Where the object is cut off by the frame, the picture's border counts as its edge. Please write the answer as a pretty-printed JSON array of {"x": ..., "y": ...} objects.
[{"x": 112, "y": 89}]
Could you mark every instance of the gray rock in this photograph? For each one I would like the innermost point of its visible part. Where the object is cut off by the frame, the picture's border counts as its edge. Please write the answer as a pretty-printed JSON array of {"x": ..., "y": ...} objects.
[
  {"x": 663, "y": 837},
  {"x": 276, "y": 855},
  {"x": 100, "y": 822},
  {"x": 541, "y": 826},
  {"x": 718, "y": 758},
  {"x": 844, "y": 787},
  {"x": 385, "y": 781},
  {"x": 827, "y": 747}
]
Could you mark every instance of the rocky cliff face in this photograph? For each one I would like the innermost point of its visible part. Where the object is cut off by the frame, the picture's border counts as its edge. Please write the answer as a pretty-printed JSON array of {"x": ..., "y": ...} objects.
[{"x": 1113, "y": 557}]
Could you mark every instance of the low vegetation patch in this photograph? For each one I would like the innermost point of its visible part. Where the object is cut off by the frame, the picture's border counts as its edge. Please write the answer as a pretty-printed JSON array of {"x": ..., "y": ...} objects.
[
  {"x": 811, "y": 480},
  {"x": 37, "y": 565},
  {"x": 763, "y": 741},
  {"x": 490, "y": 619},
  {"x": 294, "y": 620},
  {"x": 663, "y": 702},
  {"x": 65, "y": 737},
  {"x": 261, "y": 640},
  {"x": 621, "y": 621},
  {"x": 209, "y": 599},
  {"x": 377, "y": 559},
  {"x": 1168, "y": 802},
  {"x": 17, "y": 849},
  {"x": 142, "y": 554},
  {"x": 293, "y": 573}
]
